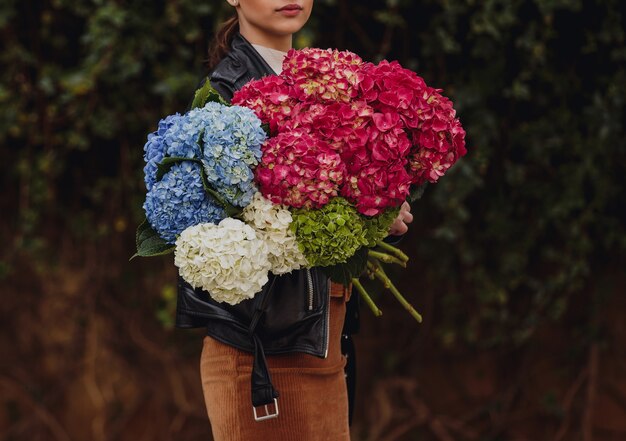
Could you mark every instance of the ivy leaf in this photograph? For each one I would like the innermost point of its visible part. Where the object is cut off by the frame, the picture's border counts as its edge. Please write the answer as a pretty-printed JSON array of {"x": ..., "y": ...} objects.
[
  {"x": 344, "y": 272},
  {"x": 207, "y": 94},
  {"x": 149, "y": 243}
]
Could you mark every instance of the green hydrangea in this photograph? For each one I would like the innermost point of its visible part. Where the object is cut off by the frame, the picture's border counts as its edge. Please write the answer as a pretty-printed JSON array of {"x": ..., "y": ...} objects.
[
  {"x": 330, "y": 235},
  {"x": 377, "y": 227}
]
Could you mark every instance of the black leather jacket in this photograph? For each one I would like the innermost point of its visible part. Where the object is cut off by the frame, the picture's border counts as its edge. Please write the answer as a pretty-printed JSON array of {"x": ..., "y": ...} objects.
[{"x": 290, "y": 314}]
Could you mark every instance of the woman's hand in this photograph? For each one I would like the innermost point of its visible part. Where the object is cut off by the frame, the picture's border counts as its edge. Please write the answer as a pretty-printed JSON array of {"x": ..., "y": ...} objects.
[{"x": 405, "y": 217}]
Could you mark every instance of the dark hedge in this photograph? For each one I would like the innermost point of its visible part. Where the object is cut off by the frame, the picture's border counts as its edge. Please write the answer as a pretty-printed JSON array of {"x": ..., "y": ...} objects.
[{"x": 532, "y": 215}]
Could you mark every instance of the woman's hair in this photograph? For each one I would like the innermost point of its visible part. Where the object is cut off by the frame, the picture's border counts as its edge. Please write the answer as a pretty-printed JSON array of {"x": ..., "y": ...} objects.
[{"x": 221, "y": 42}]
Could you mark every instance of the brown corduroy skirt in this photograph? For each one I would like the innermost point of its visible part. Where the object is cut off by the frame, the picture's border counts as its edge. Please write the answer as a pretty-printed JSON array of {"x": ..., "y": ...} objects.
[{"x": 313, "y": 403}]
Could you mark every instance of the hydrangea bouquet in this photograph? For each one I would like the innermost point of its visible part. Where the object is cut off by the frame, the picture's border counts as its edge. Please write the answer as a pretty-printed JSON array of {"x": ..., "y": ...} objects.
[{"x": 304, "y": 169}]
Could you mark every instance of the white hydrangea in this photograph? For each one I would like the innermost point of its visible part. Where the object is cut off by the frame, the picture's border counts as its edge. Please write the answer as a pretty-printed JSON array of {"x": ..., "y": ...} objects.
[
  {"x": 271, "y": 222},
  {"x": 228, "y": 260}
]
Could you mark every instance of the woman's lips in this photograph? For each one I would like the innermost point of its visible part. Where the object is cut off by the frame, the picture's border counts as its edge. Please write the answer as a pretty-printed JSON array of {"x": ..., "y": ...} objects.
[{"x": 290, "y": 10}]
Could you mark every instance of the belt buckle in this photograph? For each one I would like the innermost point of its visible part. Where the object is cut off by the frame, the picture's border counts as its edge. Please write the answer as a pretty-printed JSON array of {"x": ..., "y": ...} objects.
[{"x": 268, "y": 415}]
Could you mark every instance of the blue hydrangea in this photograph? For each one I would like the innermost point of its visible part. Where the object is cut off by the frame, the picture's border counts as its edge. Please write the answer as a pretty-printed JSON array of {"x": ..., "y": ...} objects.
[
  {"x": 227, "y": 139},
  {"x": 182, "y": 139},
  {"x": 156, "y": 147},
  {"x": 232, "y": 148},
  {"x": 179, "y": 201}
]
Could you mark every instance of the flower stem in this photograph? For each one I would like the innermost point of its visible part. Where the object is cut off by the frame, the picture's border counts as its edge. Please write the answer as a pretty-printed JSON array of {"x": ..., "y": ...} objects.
[
  {"x": 393, "y": 250},
  {"x": 387, "y": 258},
  {"x": 379, "y": 273},
  {"x": 366, "y": 297}
]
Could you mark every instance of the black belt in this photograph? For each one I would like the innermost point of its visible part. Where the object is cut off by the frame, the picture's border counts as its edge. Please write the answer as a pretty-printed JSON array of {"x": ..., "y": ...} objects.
[{"x": 263, "y": 392}]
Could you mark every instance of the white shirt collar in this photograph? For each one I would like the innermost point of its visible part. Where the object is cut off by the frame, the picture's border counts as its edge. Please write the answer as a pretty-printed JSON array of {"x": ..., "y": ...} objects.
[{"x": 272, "y": 57}]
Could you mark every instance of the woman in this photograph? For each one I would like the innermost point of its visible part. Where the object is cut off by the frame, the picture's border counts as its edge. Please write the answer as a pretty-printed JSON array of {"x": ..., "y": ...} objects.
[{"x": 297, "y": 319}]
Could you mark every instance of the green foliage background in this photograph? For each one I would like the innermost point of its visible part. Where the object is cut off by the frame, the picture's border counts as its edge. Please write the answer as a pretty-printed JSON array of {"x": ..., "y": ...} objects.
[
  {"x": 531, "y": 218},
  {"x": 525, "y": 219}
]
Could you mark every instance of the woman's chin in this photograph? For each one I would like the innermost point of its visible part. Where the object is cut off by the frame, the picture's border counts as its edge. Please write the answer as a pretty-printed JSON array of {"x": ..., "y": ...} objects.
[{"x": 288, "y": 28}]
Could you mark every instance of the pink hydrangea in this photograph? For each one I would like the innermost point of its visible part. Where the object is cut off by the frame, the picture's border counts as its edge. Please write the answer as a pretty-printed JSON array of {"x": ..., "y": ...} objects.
[
  {"x": 377, "y": 176},
  {"x": 344, "y": 126},
  {"x": 390, "y": 88},
  {"x": 271, "y": 99},
  {"x": 436, "y": 152},
  {"x": 312, "y": 117},
  {"x": 323, "y": 75},
  {"x": 389, "y": 142},
  {"x": 299, "y": 169},
  {"x": 436, "y": 134},
  {"x": 377, "y": 187}
]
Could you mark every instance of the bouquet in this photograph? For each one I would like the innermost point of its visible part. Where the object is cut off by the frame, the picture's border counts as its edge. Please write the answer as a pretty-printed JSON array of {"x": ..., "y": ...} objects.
[{"x": 303, "y": 169}]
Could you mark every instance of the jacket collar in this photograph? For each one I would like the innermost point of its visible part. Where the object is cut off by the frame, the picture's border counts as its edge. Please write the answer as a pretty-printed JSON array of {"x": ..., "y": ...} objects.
[{"x": 242, "y": 64}]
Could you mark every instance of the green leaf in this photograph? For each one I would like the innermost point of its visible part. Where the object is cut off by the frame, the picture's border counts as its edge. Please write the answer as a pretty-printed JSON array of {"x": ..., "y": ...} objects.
[
  {"x": 207, "y": 94},
  {"x": 166, "y": 164},
  {"x": 149, "y": 243},
  {"x": 231, "y": 210},
  {"x": 417, "y": 191},
  {"x": 345, "y": 272},
  {"x": 143, "y": 231}
]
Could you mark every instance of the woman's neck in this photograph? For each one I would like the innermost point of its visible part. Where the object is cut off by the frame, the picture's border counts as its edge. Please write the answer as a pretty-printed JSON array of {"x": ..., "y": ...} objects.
[{"x": 279, "y": 42}]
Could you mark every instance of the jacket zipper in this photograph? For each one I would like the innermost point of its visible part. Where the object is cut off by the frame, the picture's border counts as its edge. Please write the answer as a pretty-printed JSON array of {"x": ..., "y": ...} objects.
[{"x": 309, "y": 280}]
